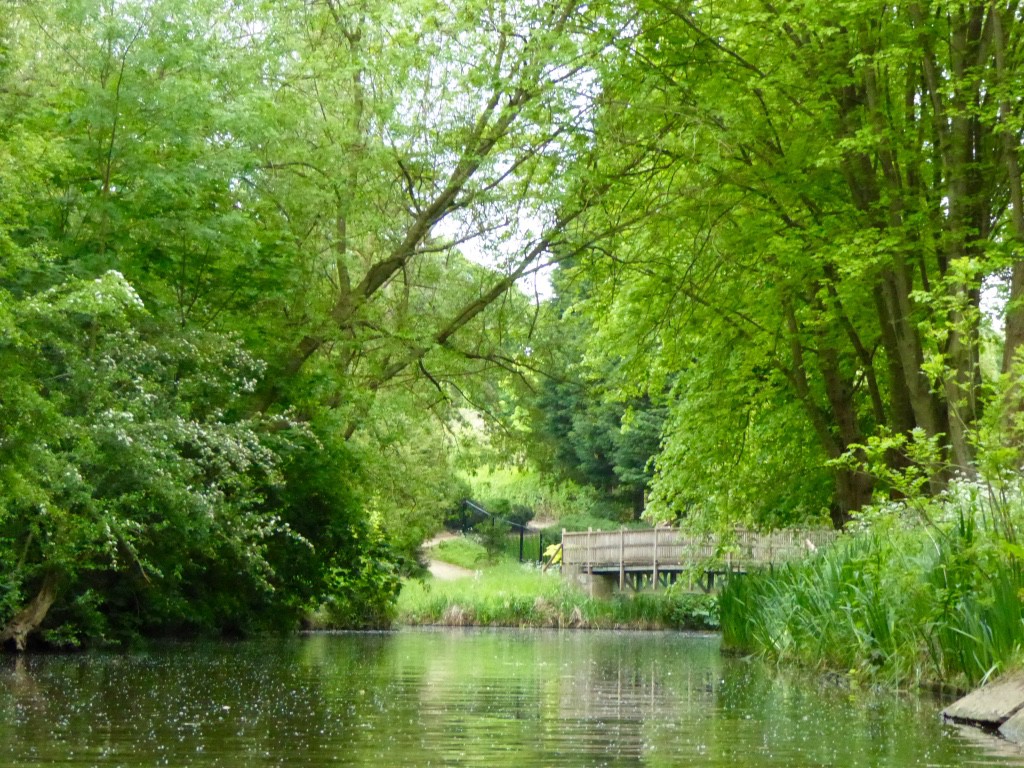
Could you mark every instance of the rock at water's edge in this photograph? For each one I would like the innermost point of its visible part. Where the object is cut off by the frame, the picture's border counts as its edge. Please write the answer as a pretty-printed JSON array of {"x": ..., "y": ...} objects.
[{"x": 991, "y": 705}]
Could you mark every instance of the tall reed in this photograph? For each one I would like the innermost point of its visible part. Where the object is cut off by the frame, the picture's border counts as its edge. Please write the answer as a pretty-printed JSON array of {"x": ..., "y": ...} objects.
[{"x": 895, "y": 602}]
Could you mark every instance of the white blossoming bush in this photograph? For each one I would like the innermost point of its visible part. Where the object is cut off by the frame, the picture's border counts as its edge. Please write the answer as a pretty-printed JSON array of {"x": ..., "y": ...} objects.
[{"x": 133, "y": 477}]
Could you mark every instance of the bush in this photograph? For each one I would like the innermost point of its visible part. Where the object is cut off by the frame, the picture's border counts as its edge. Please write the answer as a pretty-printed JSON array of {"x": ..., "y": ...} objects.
[
  {"x": 493, "y": 534},
  {"x": 519, "y": 514},
  {"x": 362, "y": 594}
]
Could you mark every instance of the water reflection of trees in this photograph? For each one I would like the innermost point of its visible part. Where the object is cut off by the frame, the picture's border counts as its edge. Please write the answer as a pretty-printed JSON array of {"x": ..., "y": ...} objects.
[
  {"x": 452, "y": 698},
  {"x": 569, "y": 697}
]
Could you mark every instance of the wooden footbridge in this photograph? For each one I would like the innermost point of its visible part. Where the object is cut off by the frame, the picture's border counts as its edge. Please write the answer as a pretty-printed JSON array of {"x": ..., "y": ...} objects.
[{"x": 658, "y": 557}]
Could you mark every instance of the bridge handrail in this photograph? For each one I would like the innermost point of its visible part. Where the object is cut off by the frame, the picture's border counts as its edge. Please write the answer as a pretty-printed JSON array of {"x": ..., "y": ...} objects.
[
  {"x": 483, "y": 514},
  {"x": 669, "y": 546}
]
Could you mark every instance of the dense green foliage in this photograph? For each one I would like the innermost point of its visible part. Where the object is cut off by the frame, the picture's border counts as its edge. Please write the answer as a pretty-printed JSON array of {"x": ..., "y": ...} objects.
[
  {"x": 904, "y": 601},
  {"x": 235, "y": 324},
  {"x": 583, "y": 430},
  {"x": 602, "y": 443},
  {"x": 262, "y": 271},
  {"x": 555, "y": 500},
  {"x": 805, "y": 202},
  {"x": 135, "y": 477}
]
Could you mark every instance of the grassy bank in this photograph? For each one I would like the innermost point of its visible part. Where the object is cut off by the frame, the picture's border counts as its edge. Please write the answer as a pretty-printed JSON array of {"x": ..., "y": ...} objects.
[
  {"x": 462, "y": 551},
  {"x": 922, "y": 597},
  {"x": 511, "y": 595}
]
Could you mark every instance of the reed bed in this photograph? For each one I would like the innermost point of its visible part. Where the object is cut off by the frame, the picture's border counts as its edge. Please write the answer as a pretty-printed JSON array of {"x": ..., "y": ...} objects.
[{"x": 919, "y": 597}]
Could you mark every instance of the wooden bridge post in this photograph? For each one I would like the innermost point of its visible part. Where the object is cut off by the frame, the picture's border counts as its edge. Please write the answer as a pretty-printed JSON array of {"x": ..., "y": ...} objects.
[
  {"x": 590, "y": 562},
  {"x": 622, "y": 559},
  {"x": 654, "y": 565}
]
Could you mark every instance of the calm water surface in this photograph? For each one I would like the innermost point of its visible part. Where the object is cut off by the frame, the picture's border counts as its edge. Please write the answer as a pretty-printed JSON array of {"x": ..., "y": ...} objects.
[{"x": 453, "y": 698}]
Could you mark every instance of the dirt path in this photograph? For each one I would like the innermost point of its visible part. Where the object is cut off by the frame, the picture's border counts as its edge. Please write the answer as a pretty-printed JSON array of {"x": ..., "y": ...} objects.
[
  {"x": 441, "y": 570},
  {"x": 442, "y": 536}
]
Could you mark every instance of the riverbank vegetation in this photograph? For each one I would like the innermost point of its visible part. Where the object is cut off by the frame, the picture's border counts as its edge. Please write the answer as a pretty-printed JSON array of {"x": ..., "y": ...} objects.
[
  {"x": 928, "y": 593},
  {"x": 508, "y": 594}
]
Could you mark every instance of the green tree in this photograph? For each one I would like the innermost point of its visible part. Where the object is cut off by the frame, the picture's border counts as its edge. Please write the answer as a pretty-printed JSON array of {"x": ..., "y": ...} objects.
[
  {"x": 820, "y": 192},
  {"x": 290, "y": 184},
  {"x": 584, "y": 426}
]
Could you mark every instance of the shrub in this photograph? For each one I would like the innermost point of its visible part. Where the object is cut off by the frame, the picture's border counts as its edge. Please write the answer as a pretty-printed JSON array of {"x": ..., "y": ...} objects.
[{"x": 493, "y": 534}]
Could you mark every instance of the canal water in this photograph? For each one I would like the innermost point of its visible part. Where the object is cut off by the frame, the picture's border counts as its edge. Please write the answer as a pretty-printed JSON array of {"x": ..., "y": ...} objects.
[{"x": 461, "y": 698}]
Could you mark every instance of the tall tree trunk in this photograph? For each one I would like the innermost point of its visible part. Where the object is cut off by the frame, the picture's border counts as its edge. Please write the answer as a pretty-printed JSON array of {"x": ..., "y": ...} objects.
[
  {"x": 1010, "y": 139},
  {"x": 901, "y": 412},
  {"x": 962, "y": 384},
  {"x": 853, "y": 487},
  {"x": 909, "y": 351},
  {"x": 853, "y": 492}
]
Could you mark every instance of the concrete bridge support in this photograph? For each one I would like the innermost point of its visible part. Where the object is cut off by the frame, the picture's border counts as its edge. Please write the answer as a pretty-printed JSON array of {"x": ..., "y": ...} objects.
[{"x": 594, "y": 584}]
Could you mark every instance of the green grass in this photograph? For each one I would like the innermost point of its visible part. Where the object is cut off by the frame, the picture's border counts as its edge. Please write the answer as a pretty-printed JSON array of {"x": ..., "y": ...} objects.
[
  {"x": 462, "y": 551},
  {"x": 575, "y": 507},
  {"x": 938, "y": 605},
  {"x": 582, "y": 522},
  {"x": 509, "y": 594},
  {"x": 534, "y": 543}
]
